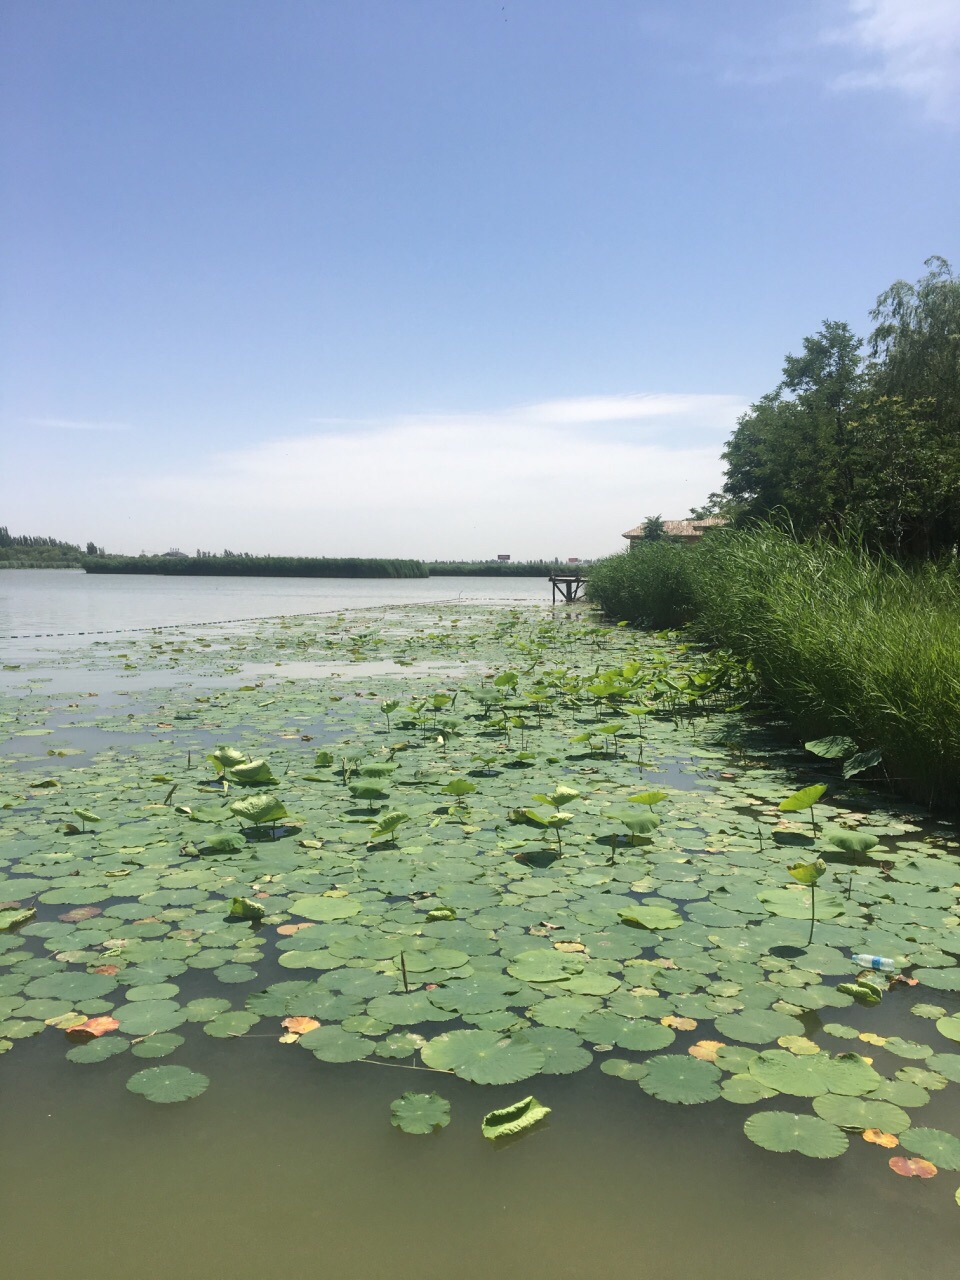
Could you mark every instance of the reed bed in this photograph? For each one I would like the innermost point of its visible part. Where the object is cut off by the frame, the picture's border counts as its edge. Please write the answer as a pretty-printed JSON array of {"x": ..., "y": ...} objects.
[{"x": 842, "y": 642}]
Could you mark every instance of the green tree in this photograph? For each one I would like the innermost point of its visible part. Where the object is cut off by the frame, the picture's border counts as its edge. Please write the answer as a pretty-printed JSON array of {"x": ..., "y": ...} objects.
[{"x": 788, "y": 454}]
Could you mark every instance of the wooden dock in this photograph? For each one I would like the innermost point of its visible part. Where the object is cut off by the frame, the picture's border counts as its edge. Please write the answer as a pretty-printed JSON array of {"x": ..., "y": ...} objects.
[{"x": 567, "y": 586}]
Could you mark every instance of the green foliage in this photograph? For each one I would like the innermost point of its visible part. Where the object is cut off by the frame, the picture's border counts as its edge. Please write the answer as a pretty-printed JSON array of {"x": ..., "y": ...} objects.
[
  {"x": 870, "y": 449},
  {"x": 230, "y": 565},
  {"x": 655, "y": 584}
]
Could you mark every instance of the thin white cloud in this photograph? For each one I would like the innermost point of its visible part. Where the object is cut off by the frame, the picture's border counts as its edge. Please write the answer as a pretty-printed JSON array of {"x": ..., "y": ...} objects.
[
  {"x": 76, "y": 424},
  {"x": 560, "y": 478},
  {"x": 911, "y": 46}
]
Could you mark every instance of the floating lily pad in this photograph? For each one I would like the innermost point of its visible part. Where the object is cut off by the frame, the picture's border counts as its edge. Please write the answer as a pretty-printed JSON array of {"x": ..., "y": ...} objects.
[
  {"x": 680, "y": 1078},
  {"x": 785, "y": 1131},
  {"x": 168, "y": 1084},
  {"x": 861, "y": 1113},
  {"x": 943, "y": 1149},
  {"x": 420, "y": 1112},
  {"x": 484, "y": 1057},
  {"x": 509, "y": 1122},
  {"x": 333, "y": 1044}
]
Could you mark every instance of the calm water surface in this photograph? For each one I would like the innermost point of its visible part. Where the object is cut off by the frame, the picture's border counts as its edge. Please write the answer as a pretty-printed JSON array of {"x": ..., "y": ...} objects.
[{"x": 70, "y": 601}]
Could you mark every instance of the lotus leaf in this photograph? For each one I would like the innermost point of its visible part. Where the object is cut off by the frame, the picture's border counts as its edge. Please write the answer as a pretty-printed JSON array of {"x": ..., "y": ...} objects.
[
  {"x": 784, "y": 1131},
  {"x": 420, "y": 1112},
  {"x": 258, "y": 809},
  {"x": 563, "y": 1050},
  {"x": 321, "y": 908},
  {"x": 333, "y": 1044},
  {"x": 656, "y": 919},
  {"x": 745, "y": 1089},
  {"x": 757, "y": 1026},
  {"x": 943, "y": 1149},
  {"x": 680, "y": 1078},
  {"x": 157, "y": 1046},
  {"x": 168, "y": 1084},
  {"x": 508, "y": 1122},
  {"x": 98, "y": 1050},
  {"x": 803, "y": 799},
  {"x": 861, "y": 1113},
  {"x": 484, "y": 1057}
]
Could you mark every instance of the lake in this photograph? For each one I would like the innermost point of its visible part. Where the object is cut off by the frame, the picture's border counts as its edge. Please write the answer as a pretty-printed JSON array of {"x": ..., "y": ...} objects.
[{"x": 288, "y": 1158}]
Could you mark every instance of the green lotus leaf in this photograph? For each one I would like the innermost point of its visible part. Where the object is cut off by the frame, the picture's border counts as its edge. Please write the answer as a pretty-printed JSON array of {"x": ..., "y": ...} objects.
[
  {"x": 943, "y": 1149},
  {"x": 832, "y": 748},
  {"x": 939, "y": 979},
  {"x": 255, "y": 773},
  {"x": 636, "y": 821},
  {"x": 203, "y": 1009},
  {"x": 11, "y": 917},
  {"x": 563, "y": 1050},
  {"x": 519, "y": 1117},
  {"x": 145, "y": 1017},
  {"x": 848, "y": 1073},
  {"x": 933, "y": 1011},
  {"x": 208, "y": 812},
  {"x": 98, "y": 1050},
  {"x": 259, "y": 809},
  {"x": 794, "y": 904},
  {"x": 226, "y": 758},
  {"x": 333, "y": 1044},
  {"x": 420, "y": 1112},
  {"x": 757, "y": 1026},
  {"x": 543, "y": 965},
  {"x": 861, "y": 761},
  {"x": 907, "y": 1048},
  {"x": 485, "y": 1057},
  {"x": 644, "y": 1035},
  {"x": 87, "y": 816},
  {"x": 246, "y": 909},
  {"x": 387, "y": 825},
  {"x": 407, "y": 1009},
  {"x": 224, "y": 842},
  {"x": 168, "y": 1084},
  {"x": 157, "y": 1046},
  {"x": 563, "y": 1011},
  {"x": 677, "y": 1077},
  {"x": 648, "y": 797},
  {"x": 807, "y": 872},
  {"x": 852, "y": 841},
  {"x": 804, "y": 1076},
  {"x": 401, "y": 1044},
  {"x": 950, "y": 1027},
  {"x": 321, "y": 908},
  {"x": 459, "y": 787},
  {"x": 784, "y": 1131},
  {"x": 656, "y": 919},
  {"x": 802, "y": 799},
  {"x": 623, "y": 1069},
  {"x": 74, "y": 987},
  {"x": 235, "y": 1023},
  {"x": 946, "y": 1064},
  {"x": 861, "y": 1113},
  {"x": 745, "y": 1089}
]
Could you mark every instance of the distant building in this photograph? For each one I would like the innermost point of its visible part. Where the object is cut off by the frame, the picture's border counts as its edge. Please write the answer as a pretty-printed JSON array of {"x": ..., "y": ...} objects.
[
  {"x": 175, "y": 551},
  {"x": 682, "y": 530},
  {"x": 503, "y": 559},
  {"x": 573, "y": 559}
]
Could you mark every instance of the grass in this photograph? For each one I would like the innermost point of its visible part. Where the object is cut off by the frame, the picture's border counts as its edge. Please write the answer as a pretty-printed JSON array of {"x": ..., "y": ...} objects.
[{"x": 843, "y": 643}]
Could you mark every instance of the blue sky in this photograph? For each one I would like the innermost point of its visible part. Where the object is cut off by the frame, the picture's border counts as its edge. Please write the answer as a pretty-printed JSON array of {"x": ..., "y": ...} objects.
[{"x": 437, "y": 277}]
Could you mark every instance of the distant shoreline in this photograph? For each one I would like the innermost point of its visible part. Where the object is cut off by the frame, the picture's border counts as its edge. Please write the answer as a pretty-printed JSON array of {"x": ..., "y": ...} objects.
[{"x": 314, "y": 567}]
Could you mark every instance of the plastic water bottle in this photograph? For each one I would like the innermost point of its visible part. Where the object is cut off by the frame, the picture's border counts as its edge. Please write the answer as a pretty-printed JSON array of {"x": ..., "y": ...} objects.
[{"x": 884, "y": 963}]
